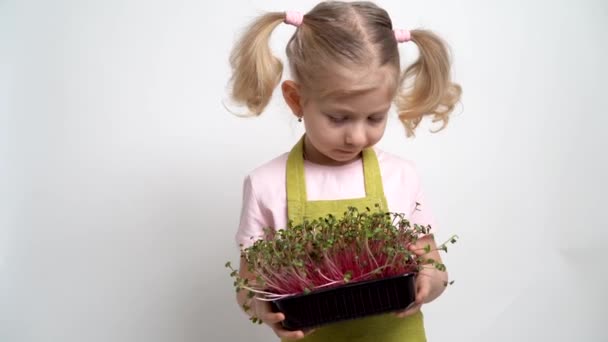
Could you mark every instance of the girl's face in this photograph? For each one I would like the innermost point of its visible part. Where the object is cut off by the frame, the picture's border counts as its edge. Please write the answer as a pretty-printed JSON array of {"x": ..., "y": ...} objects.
[{"x": 345, "y": 117}]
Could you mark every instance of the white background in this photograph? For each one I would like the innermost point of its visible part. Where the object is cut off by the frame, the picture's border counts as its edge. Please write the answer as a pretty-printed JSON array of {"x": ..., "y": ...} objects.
[{"x": 121, "y": 170}]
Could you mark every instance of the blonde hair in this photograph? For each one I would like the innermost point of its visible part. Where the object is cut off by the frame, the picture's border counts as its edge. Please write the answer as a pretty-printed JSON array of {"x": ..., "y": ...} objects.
[{"x": 350, "y": 34}]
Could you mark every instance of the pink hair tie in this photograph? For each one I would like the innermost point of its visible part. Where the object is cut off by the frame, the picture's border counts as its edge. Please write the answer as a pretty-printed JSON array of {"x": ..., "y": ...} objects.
[
  {"x": 294, "y": 18},
  {"x": 402, "y": 35}
]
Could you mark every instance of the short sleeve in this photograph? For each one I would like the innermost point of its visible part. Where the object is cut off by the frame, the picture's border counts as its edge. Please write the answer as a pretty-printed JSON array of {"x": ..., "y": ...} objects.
[
  {"x": 252, "y": 221},
  {"x": 422, "y": 212}
]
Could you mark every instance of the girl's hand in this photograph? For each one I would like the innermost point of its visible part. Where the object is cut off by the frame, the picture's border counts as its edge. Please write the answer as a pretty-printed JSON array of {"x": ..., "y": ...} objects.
[
  {"x": 423, "y": 289},
  {"x": 274, "y": 319},
  {"x": 430, "y": 282}
]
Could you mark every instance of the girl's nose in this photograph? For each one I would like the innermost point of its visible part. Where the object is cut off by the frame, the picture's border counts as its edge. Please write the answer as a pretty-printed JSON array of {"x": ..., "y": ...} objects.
[{"x": 355, "y": 136}]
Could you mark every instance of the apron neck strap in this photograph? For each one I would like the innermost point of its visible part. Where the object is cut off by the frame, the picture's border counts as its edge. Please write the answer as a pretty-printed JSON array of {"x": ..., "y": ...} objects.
[{"x": 296, "y": 185}]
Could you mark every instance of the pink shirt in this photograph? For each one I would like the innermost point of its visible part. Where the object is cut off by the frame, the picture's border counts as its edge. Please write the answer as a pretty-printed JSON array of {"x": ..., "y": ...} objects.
[{"x": 264, "y": 193}]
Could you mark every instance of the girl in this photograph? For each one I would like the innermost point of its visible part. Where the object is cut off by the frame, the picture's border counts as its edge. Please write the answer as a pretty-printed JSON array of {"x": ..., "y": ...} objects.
[{"x": 346, "y": 74}]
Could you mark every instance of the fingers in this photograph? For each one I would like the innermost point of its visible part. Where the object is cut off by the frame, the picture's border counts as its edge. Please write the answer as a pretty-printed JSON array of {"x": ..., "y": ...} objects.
[
  {"x": 419, "y": 251},
  {"x": 308, "y": 331},
  {"x": 423, "y": 288},
  {"x": 274, "y": 319},
  {"x": 422, "y": 293},
  {"x": 290, "y": 335},
  {"x": 411, "y": 309},
  {"x": 286, "y": 334}
]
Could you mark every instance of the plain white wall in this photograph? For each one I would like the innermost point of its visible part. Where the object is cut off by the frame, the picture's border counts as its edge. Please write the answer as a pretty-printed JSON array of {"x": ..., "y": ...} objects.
[{"x": 121, "y": 171}]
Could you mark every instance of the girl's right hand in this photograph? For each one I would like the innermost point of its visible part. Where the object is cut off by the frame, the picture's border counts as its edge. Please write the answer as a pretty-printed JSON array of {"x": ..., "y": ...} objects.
[{"x": 274, "y": 319}]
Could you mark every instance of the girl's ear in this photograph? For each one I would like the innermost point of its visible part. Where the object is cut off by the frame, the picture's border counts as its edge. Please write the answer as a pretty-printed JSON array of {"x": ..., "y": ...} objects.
[{"x": 293, "y": 97}]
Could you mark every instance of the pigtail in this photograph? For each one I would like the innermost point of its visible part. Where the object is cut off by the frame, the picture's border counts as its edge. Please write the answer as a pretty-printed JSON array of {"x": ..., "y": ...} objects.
[
  {"x": 431, "y": 91},
  {"x": 256, "y": 72}
]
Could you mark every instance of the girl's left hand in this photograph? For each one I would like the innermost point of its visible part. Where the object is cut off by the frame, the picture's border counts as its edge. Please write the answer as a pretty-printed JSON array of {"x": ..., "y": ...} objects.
[
  {"x": 429, "y": 281},
  {"x": 423, "y": 288}
]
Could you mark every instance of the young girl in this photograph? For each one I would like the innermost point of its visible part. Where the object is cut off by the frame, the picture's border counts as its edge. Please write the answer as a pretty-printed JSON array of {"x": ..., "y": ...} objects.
[{"x": 346, "y": 74}]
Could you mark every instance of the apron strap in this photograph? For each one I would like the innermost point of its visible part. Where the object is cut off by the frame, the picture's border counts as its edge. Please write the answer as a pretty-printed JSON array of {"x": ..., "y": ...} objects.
[
  {"x": 296, "y": 181},
  {"x": 373, "y": 177}
]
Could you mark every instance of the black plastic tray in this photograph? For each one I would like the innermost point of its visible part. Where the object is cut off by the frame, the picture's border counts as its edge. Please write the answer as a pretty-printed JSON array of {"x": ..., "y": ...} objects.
[{"x": 348, "y": 301}]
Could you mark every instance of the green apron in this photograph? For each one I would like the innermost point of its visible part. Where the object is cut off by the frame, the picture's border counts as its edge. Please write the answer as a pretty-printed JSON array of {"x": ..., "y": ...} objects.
[{"x": 379, "y": 328}]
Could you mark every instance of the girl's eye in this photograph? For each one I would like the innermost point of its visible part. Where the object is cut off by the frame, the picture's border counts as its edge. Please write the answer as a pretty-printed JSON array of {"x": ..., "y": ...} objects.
[
  {"x": 337, "y": 119},
  {"x": 376, "y": 119}
]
